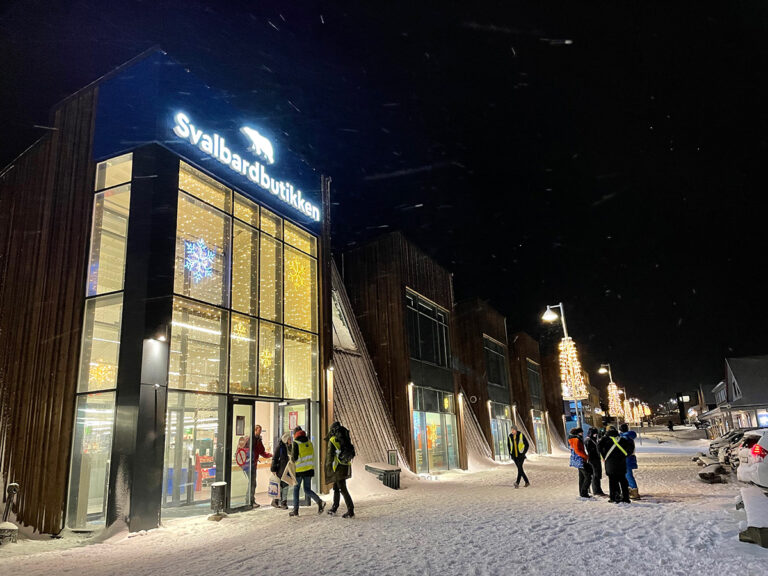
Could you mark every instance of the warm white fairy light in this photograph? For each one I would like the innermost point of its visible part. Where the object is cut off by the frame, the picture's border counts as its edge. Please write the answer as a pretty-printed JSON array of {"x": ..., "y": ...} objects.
[
  {"x": 614, "y": 402},
  {"x": 571, "y": 378}
]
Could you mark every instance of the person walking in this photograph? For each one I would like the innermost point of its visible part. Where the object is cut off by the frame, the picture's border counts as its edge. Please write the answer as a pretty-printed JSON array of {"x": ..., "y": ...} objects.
[
  {"x": 614, "y": 449},
  {"x": 634, "y": 492},
  {"x": 518, "y": 446},
  {"x": 594, "y": 461},
  {"x": 257, "y": 451},
  {"x": 338, "y": 468},
  {"x": 303, "y": 456},
  {"x": 580, "y": 460},
  {"x": 279, "y": 462}
]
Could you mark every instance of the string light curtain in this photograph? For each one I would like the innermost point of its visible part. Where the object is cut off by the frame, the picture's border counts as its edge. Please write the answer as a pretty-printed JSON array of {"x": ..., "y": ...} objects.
[{"x": 571, "y": 377}]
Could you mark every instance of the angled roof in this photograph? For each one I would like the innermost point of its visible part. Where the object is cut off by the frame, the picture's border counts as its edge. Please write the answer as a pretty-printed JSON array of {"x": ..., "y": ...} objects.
[{"x": 747, "y": 380}]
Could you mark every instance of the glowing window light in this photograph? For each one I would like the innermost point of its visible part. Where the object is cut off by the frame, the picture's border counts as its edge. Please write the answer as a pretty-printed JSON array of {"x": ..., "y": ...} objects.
[
  {"x": 198, "y": 259},
  {"x": 614, "y": 402},
  {"x": 571, "y": 377}
]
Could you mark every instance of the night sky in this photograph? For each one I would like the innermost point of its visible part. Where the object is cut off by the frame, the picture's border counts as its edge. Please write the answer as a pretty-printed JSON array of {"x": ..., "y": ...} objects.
[{"x": 607, "y": 155}]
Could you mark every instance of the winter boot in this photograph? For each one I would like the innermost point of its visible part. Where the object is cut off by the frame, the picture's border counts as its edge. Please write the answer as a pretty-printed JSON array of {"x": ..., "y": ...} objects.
[
  {"x": 348, "y": 514},
  {"x": 332, "y": 512},
  {"x": 320, "y": 507},
  {"x": 294, "y": 512},
  {"x": 517, "y": 485},
  {"x": 275, "y": 503},
  {"x": 526, "y": 485},
  {"x": 634, "y": 493},
  {"x": 284, "y": 504}
]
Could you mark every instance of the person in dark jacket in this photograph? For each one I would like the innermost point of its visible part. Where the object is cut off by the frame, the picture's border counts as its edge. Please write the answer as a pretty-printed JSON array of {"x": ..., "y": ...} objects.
[
  {"x": 594, "y": 461},
  {"x": 634, "y": 492},
  {"x": 614, "y": 450},
  {"x": 337, "y": 470},
  {"x": 279, "y": 462},
  {"x": 257, "y": 452},
  {"x": 517, "y": 444},
  {"x": 580, "y": 460},
  {"x": 303, "y": 456}
]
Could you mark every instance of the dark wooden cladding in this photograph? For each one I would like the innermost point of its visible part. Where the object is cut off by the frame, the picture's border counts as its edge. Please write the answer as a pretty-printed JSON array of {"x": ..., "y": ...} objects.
[
  {"x": 523, "y": 347},
  {"x": 46, "y": 199},
  {"x": 471, "y": 320},
  {"x": 376, "y": 276}
]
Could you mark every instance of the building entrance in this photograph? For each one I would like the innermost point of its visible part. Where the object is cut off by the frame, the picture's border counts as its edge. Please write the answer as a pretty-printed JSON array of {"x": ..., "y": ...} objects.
[{"x": 248, "y": 474}]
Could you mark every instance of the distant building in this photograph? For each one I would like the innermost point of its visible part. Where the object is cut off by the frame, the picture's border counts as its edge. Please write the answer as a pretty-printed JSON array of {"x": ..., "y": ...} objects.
[
  {"x": 742, "y": 397},
  {"x": 481, "y": 358}
]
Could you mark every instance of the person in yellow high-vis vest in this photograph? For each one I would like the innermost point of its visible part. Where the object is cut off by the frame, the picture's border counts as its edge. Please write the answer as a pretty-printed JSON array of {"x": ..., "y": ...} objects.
[
  {"x": 303, "y": 457},
  {"x": 518, "y": 446}
]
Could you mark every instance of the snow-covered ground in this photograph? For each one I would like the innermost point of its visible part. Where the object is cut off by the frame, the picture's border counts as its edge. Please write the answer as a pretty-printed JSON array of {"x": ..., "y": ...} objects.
[{"x": 462, "y": 523}]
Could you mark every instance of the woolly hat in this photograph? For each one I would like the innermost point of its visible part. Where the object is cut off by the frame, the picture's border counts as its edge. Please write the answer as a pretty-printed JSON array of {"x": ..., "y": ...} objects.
[{"x": 576, "y": 430}]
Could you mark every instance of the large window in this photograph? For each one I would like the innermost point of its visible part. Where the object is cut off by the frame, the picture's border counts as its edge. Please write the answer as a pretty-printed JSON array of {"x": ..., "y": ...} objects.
[
  {"x": 109, "y": 234},
  {"x": 534, "y": 384},
  {"x": 427, "y": 327},
  {"x": 202, "y": 252},
  {"x": 495, "y": 362},
  {"x": 100, "y": 343},
  {"x": 100, "y": 346},
  {"x": 245, "y": 317}
]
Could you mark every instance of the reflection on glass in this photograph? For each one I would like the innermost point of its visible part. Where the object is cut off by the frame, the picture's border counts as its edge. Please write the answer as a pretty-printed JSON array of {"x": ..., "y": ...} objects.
[
  {"x": 271, "y": 223},
  {"x": 270, "y": 359},
  {"x": 101, "y": 343},
  {"x": 204, "y": 187},
  {"x": 241, "y": 469},
  {"x": 300, "y": 290},
  {"x": 271, "y": 281},
  {"x": 300, "y": 364},
  {"x": 202, "y": 252},
  {"x": 89, "y": 469},
  {"x": 246, "y": 210},
  {"x": 243, "y": 351},
  {"x": 114, "y": 171},
  {"x": 106, "y": 266},
  {"x": 245, "y": 269},
  {"x": 198, "y": 347},
  {"x": 194, "y": 447},
  {"x": 300, "y": 239}
]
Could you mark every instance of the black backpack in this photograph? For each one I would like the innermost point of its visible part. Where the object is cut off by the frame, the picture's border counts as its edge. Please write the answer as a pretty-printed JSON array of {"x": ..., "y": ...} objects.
[{"x": 346, "y": 449}]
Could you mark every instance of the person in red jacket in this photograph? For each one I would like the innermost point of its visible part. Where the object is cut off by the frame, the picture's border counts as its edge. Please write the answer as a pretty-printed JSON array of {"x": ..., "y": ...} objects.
[
  {"x": 580, "y": 460},
  {"x": 258, "y": 451}
]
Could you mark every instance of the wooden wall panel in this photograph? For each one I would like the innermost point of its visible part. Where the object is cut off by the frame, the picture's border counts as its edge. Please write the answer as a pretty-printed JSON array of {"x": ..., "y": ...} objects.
[{"x": 45, "y": 210}]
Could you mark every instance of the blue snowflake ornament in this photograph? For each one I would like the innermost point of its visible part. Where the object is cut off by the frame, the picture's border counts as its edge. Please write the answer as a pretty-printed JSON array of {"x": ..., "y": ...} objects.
[{"x": 199, "y": 259}]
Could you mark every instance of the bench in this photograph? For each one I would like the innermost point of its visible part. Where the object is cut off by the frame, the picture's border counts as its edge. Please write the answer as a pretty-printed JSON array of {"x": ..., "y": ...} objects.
[
  {"x": 387, "y": 473},
  {"x": 755, "y": 505}
]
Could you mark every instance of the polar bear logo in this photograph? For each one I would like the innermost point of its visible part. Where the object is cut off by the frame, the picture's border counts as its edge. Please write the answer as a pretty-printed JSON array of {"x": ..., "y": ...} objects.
[{"x": 259, "y": 145}]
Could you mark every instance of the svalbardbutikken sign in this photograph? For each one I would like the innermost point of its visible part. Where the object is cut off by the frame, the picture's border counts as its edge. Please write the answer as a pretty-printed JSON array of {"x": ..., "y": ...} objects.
[{"x": 253, "y": 170}]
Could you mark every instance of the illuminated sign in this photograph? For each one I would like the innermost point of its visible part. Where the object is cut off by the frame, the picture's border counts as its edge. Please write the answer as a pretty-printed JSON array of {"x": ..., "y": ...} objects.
[{"x": 216, "y": 147}]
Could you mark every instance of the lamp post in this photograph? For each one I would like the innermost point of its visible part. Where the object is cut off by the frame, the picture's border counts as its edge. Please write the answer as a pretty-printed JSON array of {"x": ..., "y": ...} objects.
[
  {"x": 614, "y": 402},
  {"x": 570, "y": 369}
]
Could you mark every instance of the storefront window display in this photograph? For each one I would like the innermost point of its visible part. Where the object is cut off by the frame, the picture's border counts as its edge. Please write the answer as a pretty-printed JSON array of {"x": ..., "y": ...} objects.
[
  {"x": 101, "y": 343},
  {"x": 501, "y": 423},
  {"x": 434, "y": 430},
  {"x": 194, "y": 447},
  {"x": 244, "y": 340}
]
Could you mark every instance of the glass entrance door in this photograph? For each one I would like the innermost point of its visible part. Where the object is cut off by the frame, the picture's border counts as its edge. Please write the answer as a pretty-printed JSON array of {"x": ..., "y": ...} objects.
[
  {"x": 540, "y": 431},
  {"x": 240, "y": 459},
  {"x": 500, "y": 432}
]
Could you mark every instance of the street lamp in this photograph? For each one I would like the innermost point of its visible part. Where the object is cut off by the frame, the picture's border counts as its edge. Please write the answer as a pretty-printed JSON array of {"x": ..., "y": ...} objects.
[
  {"x": 571, "y": 378},
  {"x": 550, "y": 316}
]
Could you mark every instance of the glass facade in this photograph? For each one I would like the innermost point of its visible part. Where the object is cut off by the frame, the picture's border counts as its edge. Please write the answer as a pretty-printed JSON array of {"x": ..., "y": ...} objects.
[
  {"x": 427, "y": 327},
  {"x": 495, "y": 362},
  {"x": 245, "y": 322},
  {"x": 100, "y": 346},
  {"x": 434, "y": 430}
]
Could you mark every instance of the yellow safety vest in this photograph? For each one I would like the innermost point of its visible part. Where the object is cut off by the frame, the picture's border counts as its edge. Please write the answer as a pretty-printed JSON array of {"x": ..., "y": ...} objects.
[
  {"x": 306, "y": 460},
  {"x": 336, "y": 459},
  {"x": 519, "y": 447},
  {"x": 615, "y": 445}
]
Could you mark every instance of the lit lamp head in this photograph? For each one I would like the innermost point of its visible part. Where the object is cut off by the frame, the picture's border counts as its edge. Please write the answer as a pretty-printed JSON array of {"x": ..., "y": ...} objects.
[
  {"x": 603, "y": 369},
  {"x": 550, "y": 315}
]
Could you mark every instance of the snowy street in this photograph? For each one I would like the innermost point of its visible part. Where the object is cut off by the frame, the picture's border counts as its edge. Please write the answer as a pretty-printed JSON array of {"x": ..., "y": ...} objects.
[{"x": 463, "y": 523}]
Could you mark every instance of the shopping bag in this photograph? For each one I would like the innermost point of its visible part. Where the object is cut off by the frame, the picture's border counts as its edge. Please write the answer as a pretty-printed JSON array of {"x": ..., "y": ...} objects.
[
  {"x": 289, "y": 476},
  {"x": 274, "y": 487}
]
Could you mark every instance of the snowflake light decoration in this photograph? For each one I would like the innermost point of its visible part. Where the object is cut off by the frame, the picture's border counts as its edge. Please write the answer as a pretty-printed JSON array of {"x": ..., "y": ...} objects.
[
  {"x": 297, "y": 273},
  {"x": 198, "y": 259}
]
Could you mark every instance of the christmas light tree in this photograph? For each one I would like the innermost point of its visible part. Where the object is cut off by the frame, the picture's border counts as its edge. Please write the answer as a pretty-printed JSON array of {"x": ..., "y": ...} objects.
[{"x": 571, "y": 378}]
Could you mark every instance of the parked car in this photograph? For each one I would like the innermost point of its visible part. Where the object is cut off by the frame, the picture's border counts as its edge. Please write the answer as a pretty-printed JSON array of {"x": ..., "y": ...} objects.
[
  {"x": 728, "y": 454},
  {"x": 753, "y": 458},
  {"x": 729, "y": 437}
]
